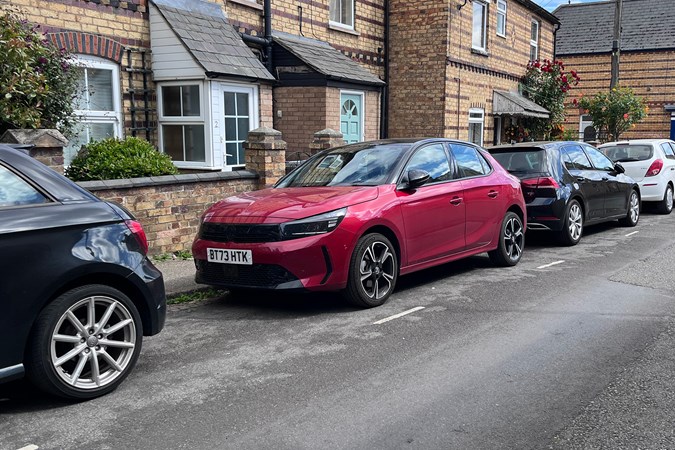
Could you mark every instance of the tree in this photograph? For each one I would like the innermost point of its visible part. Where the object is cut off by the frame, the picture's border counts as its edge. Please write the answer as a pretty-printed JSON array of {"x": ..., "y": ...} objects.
[
  {"x": 547, "y": 83},
  {"x": 37, "y": 83},
  {"x": 614, "y": 112}
]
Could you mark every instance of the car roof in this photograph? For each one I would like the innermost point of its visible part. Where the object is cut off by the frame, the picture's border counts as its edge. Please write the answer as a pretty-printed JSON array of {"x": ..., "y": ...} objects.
[
  {"x": 636, "y": 141},
  {"x": 60, "y": 187},
  {"x": 537, "y": 144}
]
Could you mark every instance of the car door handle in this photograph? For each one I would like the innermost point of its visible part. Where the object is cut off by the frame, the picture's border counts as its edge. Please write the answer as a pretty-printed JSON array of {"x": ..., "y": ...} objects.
[
  {"x": 581, "y": 179},
  {"x": 493, "y": 194},
  {"x": 456, "y": 201},
  {"x": 605, "y": 179}
]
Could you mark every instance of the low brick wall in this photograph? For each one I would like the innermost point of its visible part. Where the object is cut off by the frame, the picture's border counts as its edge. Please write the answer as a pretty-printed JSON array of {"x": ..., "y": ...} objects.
[{"x": 169, "y": 206}]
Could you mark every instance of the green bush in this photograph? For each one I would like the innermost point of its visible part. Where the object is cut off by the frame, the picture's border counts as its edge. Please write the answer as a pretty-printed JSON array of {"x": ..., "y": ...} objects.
[{"x": 112, "y": 159}]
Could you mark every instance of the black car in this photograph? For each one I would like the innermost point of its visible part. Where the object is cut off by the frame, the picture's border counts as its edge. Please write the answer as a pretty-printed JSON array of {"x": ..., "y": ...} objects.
[
  {"x": 77, "y": 291},
  {"x": 568, "y": 185}
]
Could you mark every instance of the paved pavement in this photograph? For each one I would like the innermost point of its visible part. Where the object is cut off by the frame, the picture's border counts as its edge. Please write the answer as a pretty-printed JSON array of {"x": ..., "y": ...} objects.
[{"x": 179, "y": 276}]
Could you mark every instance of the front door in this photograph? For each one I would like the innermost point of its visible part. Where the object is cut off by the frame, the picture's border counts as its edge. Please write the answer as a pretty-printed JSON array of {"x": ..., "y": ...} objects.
[{"x": 351, "y": 113}]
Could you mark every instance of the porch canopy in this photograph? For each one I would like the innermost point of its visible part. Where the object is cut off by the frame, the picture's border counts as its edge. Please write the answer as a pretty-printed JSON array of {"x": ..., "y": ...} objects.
[{"x": 513, "y": 104}]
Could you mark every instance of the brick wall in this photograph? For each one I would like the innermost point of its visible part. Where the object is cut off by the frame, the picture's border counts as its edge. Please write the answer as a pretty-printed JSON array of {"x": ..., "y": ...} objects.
[
  {"x": 651, "y": 75},
  {"x": 169, "y": 207}
]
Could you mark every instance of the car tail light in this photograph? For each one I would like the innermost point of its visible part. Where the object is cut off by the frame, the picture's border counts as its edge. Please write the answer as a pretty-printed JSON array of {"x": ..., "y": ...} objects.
[
  {"x": 137, "y": 230},
  {"x": 541, "y": 182},
  {"x": 655, "y": 168}
]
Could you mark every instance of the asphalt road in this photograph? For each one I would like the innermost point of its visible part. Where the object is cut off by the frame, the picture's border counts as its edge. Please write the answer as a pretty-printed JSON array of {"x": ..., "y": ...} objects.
[{"x": 572, "y": 348}]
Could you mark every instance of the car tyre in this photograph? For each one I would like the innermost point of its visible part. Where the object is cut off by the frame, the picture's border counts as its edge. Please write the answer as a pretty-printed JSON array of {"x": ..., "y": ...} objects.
[
  {"x": 573, "y": 224},
  {"x": 373, "y": 271},
  {"x": 84, "y": 343},
  {"x": 665, "y": 206},
  {"x": 633, "y": 215},
  {"x": 511, "y": 242}
]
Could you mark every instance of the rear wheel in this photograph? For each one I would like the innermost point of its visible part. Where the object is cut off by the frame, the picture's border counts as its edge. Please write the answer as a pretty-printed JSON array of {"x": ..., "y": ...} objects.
[
  {"x": 633, "y": 214},
  {"x": 85, "y": 343},
  {"x": 573, "y": 225},
  {"x": 665, "y": 206},
  {"x": 511, "y": 241},
  {"x": 373, "y": 271}
]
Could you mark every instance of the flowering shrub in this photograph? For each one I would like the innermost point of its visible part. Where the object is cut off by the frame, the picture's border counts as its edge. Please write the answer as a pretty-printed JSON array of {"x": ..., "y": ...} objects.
[
  {"x": 614, "y": 112},
  {"x": 547, "y": 84},
  {"x": 37, "y": 85}
]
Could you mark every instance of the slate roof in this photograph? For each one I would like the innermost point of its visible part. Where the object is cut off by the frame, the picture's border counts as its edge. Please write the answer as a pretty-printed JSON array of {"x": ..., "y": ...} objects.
[
  {"x": 588, "y": 27},
  {"x": 212, "y": 41},
  {"x": 514, "y": 104},
  {"x": 326, "y": 60}
]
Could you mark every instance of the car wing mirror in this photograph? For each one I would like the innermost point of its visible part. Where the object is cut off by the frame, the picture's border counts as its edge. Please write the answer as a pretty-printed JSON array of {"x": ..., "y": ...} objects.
[
  {"x": 618, "y": 168},
  {"x": 416, "y": 178}
]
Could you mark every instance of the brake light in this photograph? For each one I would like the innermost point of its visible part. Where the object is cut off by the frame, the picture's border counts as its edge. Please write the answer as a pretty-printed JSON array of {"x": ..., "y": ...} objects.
[
  {"x": 541, "y": 182},
  {"x": 655, "y": 168},
  {"x": 137, "y": 230}
]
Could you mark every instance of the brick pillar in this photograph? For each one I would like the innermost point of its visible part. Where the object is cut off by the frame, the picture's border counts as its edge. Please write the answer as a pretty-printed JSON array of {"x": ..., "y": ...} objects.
[
  {"x": 47, "y": 145},
  {"x": 325, "y": 139},
  {"x": 266, "y": 154}
]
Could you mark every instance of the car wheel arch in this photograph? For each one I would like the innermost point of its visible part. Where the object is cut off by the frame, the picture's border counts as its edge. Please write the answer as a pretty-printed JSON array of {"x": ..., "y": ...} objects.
[
  {"x": 519, "y": 212},
  {"x": 389, "y": 234}
]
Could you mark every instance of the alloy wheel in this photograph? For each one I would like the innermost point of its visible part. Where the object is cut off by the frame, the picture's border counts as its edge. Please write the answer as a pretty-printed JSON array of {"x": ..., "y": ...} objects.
[
  {"x": 634, "y": 207},
  {"x": 575, "y": 222},
  {"x": 669, "y": 199},
  {"x": 377, "y": 269},
  {"x": 93, "y": 342},
  {"x": 514, "y": 238}
]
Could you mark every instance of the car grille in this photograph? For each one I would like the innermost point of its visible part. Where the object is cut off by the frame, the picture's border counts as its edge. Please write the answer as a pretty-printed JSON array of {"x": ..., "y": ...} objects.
[
  {"x": 239, "y": 233},
  {"x": 256, "y": 275}
]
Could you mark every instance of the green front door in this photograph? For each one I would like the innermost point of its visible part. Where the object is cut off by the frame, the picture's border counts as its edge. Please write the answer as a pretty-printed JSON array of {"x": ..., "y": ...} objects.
[{"x": 351, "y": 111}]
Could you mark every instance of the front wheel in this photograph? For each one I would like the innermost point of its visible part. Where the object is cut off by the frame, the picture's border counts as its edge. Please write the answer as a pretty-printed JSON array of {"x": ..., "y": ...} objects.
[
  {"x": 665, "y": 206},
  {"x": 85, "y": 343},
  {"x": 373, "y": 271},
  {"x": 633, "y": 214},
  {"x": 511, "y": 242}
]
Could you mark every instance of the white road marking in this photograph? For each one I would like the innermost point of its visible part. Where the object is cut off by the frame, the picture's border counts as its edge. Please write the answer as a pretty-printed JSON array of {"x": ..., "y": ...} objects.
[
  {"x": 396, "y": 316},
  {"x": 630, "y": 234},
  {"x": 555, "y": 263},
  {"x": 30, "y": 447}
]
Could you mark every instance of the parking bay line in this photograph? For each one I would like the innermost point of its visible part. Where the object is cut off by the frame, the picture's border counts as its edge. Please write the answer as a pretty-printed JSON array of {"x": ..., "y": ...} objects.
[
  {"x": 396, "y": 316},
  {"x": 555, "y": 263},
  {"x": 30, "y": 447},
  {"x": 630, "y": 234}
]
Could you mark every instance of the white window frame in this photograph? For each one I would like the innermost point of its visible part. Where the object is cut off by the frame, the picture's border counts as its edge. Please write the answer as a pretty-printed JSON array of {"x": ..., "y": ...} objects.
[
  {"x": 362, "y": 120},
  {"x": 348, "y": 26},
  {"x": 219, "y": 142},
  {"x": 114, "y": 116},
  {"x": 484, "y": 4},
  {"x": 204, "y": 100},
  {"x": 497, "y": 132},
  {"x": 534, "y": 43},
  {"x": 501, "y": 11},
  {"x": 480, "y": 120},
  {"x": 585, "y": 120}
]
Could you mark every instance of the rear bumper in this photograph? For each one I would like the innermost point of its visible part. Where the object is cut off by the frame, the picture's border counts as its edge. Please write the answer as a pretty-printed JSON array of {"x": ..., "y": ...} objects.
[
  {"x": 545, "y": 214},
  {"x": 151, "y": 283},
  {"x": 652, "y": 189}
]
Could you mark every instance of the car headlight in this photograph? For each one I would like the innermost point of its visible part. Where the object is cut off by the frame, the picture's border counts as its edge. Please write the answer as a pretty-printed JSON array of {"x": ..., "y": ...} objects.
[{"x": 312, "y": 226}]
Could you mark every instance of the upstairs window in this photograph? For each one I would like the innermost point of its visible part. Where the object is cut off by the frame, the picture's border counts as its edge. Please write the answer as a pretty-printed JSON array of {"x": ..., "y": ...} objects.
[
  {"x": 501, "y": 18},
  {"x": 342, "y": 13},
  {"x": 534, "y": 41},
  {"x": 478, "y": 41}
]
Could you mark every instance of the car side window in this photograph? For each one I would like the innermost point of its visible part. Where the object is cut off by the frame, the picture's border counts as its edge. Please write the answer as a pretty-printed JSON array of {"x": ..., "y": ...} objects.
[
  {"x": 668, "y": 150},
  {"x": 469, "y": 162},
  {"x": 600, "y": 161},
  {"x": 15, "y": 191},
  {"x": 575, "y": 158},
  {"x": 433, "y": 160},
  {"x": 672, "y": 144}
]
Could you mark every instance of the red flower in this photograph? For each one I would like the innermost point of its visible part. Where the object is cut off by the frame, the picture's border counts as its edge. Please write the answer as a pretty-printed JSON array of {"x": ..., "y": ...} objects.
[
  {"x": 564, "y": 79},
  {"x": 575, "y": 102},
  {"x": 625, "y": 116}
]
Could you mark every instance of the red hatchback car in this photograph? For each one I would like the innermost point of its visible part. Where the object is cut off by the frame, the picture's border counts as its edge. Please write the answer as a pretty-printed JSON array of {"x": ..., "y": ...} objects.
[{"x": 354, "y": 218}]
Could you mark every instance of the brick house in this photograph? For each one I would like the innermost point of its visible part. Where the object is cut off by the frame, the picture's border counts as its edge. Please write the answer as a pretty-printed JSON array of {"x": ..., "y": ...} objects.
[
  {"x": 584, "y": 42},
  {"x": 455, "y": 66},
  {"x": 194, "y": 76}
]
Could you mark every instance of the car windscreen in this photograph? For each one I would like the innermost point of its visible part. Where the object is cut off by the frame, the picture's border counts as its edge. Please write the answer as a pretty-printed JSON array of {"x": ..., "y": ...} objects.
[
  {"x": 368, "y": 164},
  {"x": 628, "y": 153},
  {"x": 521, "y": 160}
]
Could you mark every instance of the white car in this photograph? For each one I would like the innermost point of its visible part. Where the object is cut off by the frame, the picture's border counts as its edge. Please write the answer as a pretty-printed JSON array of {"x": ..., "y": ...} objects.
[{"x": 651, "y": 163}]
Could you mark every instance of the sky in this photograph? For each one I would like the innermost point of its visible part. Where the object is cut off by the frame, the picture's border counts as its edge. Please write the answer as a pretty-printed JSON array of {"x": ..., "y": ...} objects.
[{"x": 553, "y": 4}]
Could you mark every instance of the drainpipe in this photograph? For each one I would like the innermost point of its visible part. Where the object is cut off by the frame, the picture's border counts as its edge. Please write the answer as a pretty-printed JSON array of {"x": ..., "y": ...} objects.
[
  {"x": 384, "y": 95},
  {"x": 555, "y": 39},
  {"x": 264, "y": 42}
]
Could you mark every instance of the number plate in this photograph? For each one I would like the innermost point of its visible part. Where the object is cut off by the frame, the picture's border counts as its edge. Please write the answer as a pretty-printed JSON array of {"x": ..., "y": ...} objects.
[{"x": 230, "y": 256}]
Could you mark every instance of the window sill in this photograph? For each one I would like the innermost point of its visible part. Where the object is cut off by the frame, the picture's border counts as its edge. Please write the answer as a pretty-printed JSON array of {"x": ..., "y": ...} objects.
[
  {"x": 343, "y": 29},
  {"x": 503, "y": 36},
  {"x": 479, "y": 51},
  {"x": 250, "y": 3}
]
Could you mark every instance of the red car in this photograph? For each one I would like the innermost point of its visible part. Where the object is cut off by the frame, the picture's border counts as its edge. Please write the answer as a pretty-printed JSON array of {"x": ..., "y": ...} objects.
[{"x": 354, "y": 218}]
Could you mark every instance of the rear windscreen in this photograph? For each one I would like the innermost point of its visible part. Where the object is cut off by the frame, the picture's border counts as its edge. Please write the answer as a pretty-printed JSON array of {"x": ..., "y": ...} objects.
[
  {"x": 525, "y": 160},
  {"x": 627, "y": 153}
]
